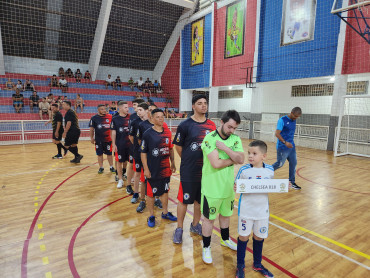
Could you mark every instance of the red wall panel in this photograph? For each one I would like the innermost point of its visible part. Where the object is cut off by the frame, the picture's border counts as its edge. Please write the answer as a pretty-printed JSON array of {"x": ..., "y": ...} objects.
[{"x": 229, "y": 71}]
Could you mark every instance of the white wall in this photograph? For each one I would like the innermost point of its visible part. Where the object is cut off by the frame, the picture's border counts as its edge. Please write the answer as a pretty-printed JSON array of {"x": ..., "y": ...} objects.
[
  {"x": 239, "y": 104},
  {"x": 15, "y": 64}
]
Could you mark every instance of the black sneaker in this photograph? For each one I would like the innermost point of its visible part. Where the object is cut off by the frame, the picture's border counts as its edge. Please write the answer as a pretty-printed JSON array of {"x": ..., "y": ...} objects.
[
  {"x": 116, "y": 178},
  {"x": 129, "y": 190},
  {"x": 112, "y": 170},
  {"x": 78, "y": 159},
  {"x": 240, "y": 272},
  {"x": 74, "y": 160},
  {"x": 295, "y": 186},
  {"x": 158, "y": 203},
  {"x": 101, "y": 170},
  {"x": 57, "y": 156},
  {"x": 141, "y": 206}
]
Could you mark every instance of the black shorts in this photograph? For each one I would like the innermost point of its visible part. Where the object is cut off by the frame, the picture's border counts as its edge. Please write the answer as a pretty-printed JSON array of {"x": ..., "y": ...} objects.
[
  {"x": 189, "y": 192},
  {"x": 130, "y": 158},
  {"x": 122, "y": 154},
  {"x": 103, "y": 148},
  {"x": 138, "y": 165},
  {"x": 59, "y": 135},
  {"x": 72, "y": 137},
  {"x": 157, "y": 187}
]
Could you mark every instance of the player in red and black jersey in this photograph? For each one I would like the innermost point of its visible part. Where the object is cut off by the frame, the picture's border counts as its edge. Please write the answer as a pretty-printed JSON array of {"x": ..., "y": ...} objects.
[
  {"x": 142, "y": 111},
  {"x": 159, "y": 163},
  {"x": 120, "y": 141},
  {"x": 130, "y": 164},
  {"x": 188, "y": 139},
  {"x": 100, "y": 125}
]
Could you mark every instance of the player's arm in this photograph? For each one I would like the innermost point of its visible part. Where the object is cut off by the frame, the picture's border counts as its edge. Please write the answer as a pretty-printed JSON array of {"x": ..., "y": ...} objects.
[
  {"x": 113, "y": 135},
  {"x": 218, "y": 163},
  {"x": 172, "y": 159},
  {"x": 178, "y": 150},
  {"x": 144, "y": 161},
  {"x": 67, "y": 127},
  {"x": 92, "y": 135},
  {"x": 57, "y": 129},
  {"x": 131, "y": 139},
  {"x": 282, "y": 140},
  {"x": 236, "y": 157}
]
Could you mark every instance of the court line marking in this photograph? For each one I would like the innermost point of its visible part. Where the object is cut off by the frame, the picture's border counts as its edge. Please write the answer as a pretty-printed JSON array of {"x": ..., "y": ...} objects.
[{"x": 38, "y": 171}]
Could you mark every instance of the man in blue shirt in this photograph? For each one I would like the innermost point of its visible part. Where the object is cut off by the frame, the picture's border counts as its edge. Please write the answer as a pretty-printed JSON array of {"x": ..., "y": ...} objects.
[{"x": 285, "y": 144}]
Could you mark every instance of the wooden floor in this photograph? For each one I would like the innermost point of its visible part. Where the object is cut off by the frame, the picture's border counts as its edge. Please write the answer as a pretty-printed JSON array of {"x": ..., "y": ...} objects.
[{"x": 63, "y": 220}]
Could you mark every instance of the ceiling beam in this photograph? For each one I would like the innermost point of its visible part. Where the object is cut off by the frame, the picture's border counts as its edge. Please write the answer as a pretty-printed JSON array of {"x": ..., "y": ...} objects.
[{"x": 183, "y": 3}]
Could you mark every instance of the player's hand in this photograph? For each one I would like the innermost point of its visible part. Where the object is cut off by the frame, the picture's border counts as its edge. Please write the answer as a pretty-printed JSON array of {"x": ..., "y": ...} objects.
[
  {"x": 173, "y": 168},
  {"x": 64, "y": 135},
  {"x": 92, "y": 140},
  {"x": 221, "y": 146},
  {"x": 235, "y": 187},
  {"x": 289, "y": 145},
  {"x": 56, "y": 134},
  {"x": 147, "y": 173}
]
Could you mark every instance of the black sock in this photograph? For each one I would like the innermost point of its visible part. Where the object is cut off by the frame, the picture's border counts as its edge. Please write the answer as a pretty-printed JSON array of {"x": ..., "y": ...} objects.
[
  {"x": 206, "y": 241},
  {"x": 123, "y": 171},
  {"x": 74, "y": 151},
  {"x": 257, "y": 251},
  {"x": 225, "y": 234},
  {"x": 116, "y": 172},
  {"x": 242, "y": 246},
  {"x": 61, "y": 146},
  {"x": 59, "y": 149},
  {"x": 136, "y": 195},
  {"x": 77, "y": 154}
]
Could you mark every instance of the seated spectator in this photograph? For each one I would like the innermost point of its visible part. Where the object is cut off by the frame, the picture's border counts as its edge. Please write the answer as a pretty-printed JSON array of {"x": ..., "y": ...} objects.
[
  {"x": 140, "y": 83},
  {"x": 87, "y": 76},
  {"x": 109, "y": 82},
  {"x": 159, "y": 90},
  {"x": 156, "y": 86},
  {"x": 107, "y": 108},
  {"x": 139, "y": 95},
  {"x": 78, "y": 75},
  {"x": 63, "y": 84},
  {"x": 113, "y": 107},
  {"x": 54, "y": 81},
  {"x": 69, "y": 73},
  {"x": 148, "y": 84},
  {"x": 172, "y": 114},
  {"x": 79, "y": 103},
  {"x": 50, "y": 99},
  {"x": 61, "y": 72},
  {"x": 17, "y": 100},
  {"x": 59, "y": 101},
  {"x": 9, "y": 85},
  {"x": 184, "y": 115},
  {"x": 131, "y": 83},
  {"x": 19, "y": 86},
  {"x": 166, "y": 112},
  {"x": 44, "y": 107},
  {"x": 34, "y": 101},
  {"x": 28, "y": 86},
  {"x": 118, "y": 82}
]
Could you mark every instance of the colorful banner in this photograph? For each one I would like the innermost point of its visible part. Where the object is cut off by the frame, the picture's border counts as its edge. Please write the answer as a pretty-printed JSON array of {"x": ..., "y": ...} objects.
[
  {"x": 197, "y": 42},
  {"x": 298, "y": 22},
  {"x": 235, "y": 24}
]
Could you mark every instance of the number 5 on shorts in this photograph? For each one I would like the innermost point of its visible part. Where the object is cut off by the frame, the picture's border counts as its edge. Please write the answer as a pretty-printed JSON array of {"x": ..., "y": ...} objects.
[{"x": 243, "y": 227}]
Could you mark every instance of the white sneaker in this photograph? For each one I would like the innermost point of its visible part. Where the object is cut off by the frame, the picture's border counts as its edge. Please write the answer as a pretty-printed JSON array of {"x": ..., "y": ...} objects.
[
  {"x": 120, "y": 184},
  {"x": 229, "y": 243},
  {"x": 206, "y": 255}
]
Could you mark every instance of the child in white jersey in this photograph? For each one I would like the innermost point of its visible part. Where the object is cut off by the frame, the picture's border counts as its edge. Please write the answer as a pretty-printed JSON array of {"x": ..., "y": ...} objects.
[{"x": 253, "y": 211}]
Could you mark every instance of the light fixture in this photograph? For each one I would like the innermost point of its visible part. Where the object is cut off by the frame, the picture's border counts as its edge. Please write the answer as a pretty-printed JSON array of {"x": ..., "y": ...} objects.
[
  {"x": 230, "y": 87},
  {"x": 332, "y": 79}
]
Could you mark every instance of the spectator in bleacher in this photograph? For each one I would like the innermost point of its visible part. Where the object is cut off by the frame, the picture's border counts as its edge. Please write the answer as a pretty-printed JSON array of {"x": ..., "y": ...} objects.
[
  {"x": 140, "y": 83},
  {"x": 61, "y": 72},
  {"x": 118, "y": 82},
  {"x": 109, "y": 82},
  {"x": 50, "y": 99},
  {"x": 59, "y": 102},
  {"x": 156, "y": 86},
  {"x": 113, "y": 108},
  {"x": 107, "y": 108},
  {"x": 69, "y": 73},
  {"x": 34, "y": 101},
  {"x": 54, "y": 81},
  {"x": 131, "y": 83},
  {"x": 44, "y": 108},
  {"x": 87, "y": 76},
  {"x": 28, "y": 86},
  {"x": 78, "y": 75},
  {"x": 63, "y": 84},
  {"x": 17, "y": 101},
  {"x": 9, "y": 85},
  {"x": 184, "y": 115},
  {"x": 19, "y": 86},
  {"x": 79, "y": 103},
  {"x": 172, "y": 114},
  {"x": 166, "y": 112}
]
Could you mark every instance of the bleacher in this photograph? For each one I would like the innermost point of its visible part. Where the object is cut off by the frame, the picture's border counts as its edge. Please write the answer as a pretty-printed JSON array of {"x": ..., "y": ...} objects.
[{"x": 93, "y": 93}]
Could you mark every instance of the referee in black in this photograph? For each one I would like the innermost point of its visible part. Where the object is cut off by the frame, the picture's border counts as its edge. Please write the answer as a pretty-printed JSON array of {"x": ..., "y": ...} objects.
[
  {"x": 71, "y": 131},
  {"x": 57, "y": 124}
]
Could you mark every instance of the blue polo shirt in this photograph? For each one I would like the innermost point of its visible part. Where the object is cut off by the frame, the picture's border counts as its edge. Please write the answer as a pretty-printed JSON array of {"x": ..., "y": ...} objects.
[{"x": 287, "y": 127}]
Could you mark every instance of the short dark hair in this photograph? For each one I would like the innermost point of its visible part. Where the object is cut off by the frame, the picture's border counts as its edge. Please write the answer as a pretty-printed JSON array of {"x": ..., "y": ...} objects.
[
  {"x": 68, "y": 102},
  {"x": 198, "y": 97},
  {"x": 297, "y": 110},
  {"x": 34, "y": 92},
  {"x": 138, "y": 100},
  {"x": 231, "y": 114},
  {"x": 121, "y": 102},
  {"x": 55, "y": 105},
  {"x": 152, "y": 104},
  {"x": 157, "y": 110},
  {"x": 144, "y": 105},
  {"x": 260, "y": 144},
  {"x": 101, "y": 105}
]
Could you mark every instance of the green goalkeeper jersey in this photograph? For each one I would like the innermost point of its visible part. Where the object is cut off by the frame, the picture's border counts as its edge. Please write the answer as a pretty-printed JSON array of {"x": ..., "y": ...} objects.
[{"x": 218, "y": 183}]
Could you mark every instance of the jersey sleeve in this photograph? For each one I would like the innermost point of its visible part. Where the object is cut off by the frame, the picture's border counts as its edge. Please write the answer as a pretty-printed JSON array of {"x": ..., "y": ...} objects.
[
  {"x": 208, "y": 145},
  {"x": 144, "y": 145},
  {"x": 59, "y": 118},
  {"x": 140, "y": 132},
  {"x": 280, "y": 124},
  {"x": 68, "y": 118},
  {"x": 180, "y": 136},
  {"x": 170, "y": 145},
  {"x": 112, "y": 125},
  {"x": 91, "y": 123},
  {"x": 132, "y": 129}
]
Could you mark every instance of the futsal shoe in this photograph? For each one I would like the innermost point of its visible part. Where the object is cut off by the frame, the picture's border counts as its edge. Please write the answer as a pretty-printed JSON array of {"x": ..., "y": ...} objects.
[
  {"x": 58, "y": 156},
  {"x": 73, "y": 160},
  {"x": 78, "y": 159},
  {"x": 151, "y": 221},
  {"x": 240, "y": 272},
  {"x": 116, "y": 178},
  {"x": 169, "y": 216},
  {"x": 141, "y": 207},
  {"x": 135, "y": 198},
  {"x": 177, "y": 236},
  {"x": 112, "y": 170},
  {"x": 264, "y": 271},
  {"x": 101, "y": 170},
  {"x": 124, "y": 177},
  {"x": 229, "y": 243},
  {"x": 197, "y": 229},
  {"x": 206, "y": 255},
  {"x": 120, "y": 184},
  {"x": 295, "y": 186},
  {"x": 129, "y": 190},
  {"x": 158, "y": 203}
]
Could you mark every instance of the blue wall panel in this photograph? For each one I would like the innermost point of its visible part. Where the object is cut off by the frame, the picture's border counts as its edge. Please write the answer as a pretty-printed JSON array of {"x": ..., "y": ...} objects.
[
  {"x": 196, "y": 76},
  {"x": 302, "y": 60}
]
